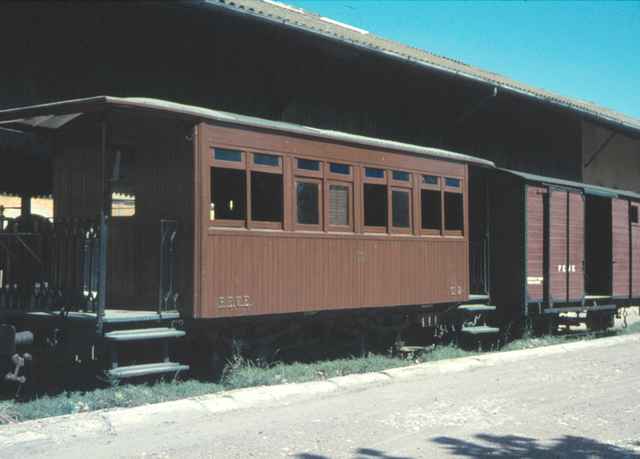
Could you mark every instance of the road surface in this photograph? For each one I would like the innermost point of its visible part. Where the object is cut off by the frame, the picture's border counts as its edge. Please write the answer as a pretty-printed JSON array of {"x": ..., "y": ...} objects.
[{"x": 577, "y": 404}]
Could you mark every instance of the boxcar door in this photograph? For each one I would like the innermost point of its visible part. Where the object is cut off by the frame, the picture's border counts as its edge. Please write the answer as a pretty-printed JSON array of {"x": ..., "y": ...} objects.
[
  {"x": 575, "y": 245},
  {"x": 535, "y": 243},
  {"x": 621, "y": 249},
  {"x": 557, "y": 246}
]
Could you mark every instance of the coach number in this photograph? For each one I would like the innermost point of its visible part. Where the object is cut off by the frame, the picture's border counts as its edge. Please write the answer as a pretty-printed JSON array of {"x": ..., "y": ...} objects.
[{"x": 241, "y": 301}]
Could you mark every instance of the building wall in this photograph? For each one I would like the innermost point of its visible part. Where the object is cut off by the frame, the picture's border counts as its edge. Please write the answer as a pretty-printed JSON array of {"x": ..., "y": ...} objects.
[
  {"x": 240, "y": 64},
  {"x": 617, "y": 165}
]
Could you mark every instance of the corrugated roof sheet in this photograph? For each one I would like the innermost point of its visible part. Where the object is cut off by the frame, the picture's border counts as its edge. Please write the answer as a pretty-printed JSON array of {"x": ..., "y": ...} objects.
[
  {"x": 56, "y": 114},
  {"x": 589, "y": 189},
  {"x": 297, "y": 18}
]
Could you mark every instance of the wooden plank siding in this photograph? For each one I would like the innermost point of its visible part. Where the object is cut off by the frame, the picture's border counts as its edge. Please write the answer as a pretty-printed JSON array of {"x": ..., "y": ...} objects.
[
  {"x": 557, "y": 246},
  {"x": 575, "y": 261},
  {"x": 566, "y": 246},
  {"x": 287, "y": 270},
  {"x": 535, "y": 242},
  {"x": 621, "y": 250}
]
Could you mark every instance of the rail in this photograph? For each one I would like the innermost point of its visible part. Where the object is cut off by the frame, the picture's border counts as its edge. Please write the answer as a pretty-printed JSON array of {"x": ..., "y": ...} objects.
[
  {"x": 168, "y": 296},
  {"x": 50, "y": 266},
  {"x": 479, "y": 266}
]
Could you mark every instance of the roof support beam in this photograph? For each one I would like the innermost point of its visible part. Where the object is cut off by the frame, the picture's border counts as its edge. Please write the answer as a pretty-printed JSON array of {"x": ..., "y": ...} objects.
[{"x": 601, "y": 148}]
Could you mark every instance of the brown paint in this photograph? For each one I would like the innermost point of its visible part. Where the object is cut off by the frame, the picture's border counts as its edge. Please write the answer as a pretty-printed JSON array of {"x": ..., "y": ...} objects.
[
  {"x": 255, "y": 271},
  {"x": 535, "y": 243},
  {"x": 621, "y": 269}
]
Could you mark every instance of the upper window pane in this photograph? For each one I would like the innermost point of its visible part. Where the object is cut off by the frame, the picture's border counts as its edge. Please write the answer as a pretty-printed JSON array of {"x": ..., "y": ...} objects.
[
  {"x": 339, "y": 205},
  {"x": 228, "y": 194},
  {"x": 430, "y": 179},
  {"x": 266, "y": 197},
  {"x": 224, "y": 154},
  {"x": 308, "y": 164},
  {"x": 375, "y": 205},
  {"x": 452, "y": 182},
  {"x": 373, "y": 172},
  {"x": 337, "y": 168},
  {"x": 400, "y": 176},
  {"x": 400, "y": 208},
  {"x": 307, "y": 197},
  {"x": 263, "y": 159}
]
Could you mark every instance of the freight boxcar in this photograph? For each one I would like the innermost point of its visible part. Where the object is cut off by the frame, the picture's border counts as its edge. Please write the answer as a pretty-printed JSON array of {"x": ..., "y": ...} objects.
[
  {"x": 166, "y": 212},
  {"x": 561, "y": 249}
]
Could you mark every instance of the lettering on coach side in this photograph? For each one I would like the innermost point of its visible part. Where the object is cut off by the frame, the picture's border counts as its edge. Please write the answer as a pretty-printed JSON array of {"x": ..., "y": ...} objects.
[
  {"x": 239, "y": 301},
  {"x": 565, "y": 268}
]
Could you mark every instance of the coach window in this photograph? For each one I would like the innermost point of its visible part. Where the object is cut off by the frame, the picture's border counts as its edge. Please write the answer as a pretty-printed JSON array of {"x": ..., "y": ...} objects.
[
  {"x": 401, "y": 191},
  {"x": 228, "y": 187},
  {"x": 634, "y": 214},
  {"x": 453, "y": 206},
  {"x": 431, "y": 205},
  {"x": 266, "y": 191},
  {"x": 339, "y": 197},
  {"x": 308, "y": 203},
  {"x": 375, "y": 200}
]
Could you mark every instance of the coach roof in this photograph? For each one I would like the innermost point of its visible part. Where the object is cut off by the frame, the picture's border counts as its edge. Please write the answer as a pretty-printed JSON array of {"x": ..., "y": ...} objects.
[{"x": 57, "y": 114}]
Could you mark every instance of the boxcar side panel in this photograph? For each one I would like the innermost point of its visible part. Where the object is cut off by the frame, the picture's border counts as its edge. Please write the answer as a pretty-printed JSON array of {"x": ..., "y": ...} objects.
[
  {"x": 621, "y": 268},
  {"x": 575, "y": 262},
  {"x": 535, "y": 243},
  {"x": 557, "y": 246}
]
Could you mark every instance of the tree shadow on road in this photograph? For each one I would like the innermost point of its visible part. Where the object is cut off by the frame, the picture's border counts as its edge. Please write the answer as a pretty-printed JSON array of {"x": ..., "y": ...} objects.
[
  {"x": 360, "y": 453},
  {"x": 516, "y": 446}
]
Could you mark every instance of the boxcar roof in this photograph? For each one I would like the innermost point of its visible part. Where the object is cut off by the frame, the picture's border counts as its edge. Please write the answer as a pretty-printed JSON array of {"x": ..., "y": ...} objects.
[
  {"x": 589, "y": 189},
  {"x": 57, "y": 114}
]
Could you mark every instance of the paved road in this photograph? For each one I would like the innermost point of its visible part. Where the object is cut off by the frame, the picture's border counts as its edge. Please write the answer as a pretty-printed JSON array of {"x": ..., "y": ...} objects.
[{"x": 578, "y": 404}]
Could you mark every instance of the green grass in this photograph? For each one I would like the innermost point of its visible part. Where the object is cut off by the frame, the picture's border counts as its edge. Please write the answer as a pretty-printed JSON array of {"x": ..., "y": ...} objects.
[{"x": 243, "y": 373}]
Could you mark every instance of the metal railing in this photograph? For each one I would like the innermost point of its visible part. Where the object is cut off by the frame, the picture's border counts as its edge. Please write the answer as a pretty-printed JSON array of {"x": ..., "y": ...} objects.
[
  {"x": 50, "y": 266},
  {"x": 479, "y": 266},
  {"x": 168, "y": 295}
]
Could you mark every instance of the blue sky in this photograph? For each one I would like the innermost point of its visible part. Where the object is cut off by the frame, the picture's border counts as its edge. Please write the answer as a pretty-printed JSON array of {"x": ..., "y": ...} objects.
[{"x": 586, "y": 50}]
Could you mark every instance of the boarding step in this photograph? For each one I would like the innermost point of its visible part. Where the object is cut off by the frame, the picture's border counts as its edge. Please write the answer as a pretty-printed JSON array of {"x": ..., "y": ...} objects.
[
  {"x": 144, "y": 334},
  {"x": 480, "y": 330},
  {"x": 147, "y": 369},
  {"x": 476, "y": 308}
]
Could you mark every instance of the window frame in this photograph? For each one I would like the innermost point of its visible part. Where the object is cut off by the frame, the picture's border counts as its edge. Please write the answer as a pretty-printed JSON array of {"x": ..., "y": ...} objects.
[
  {"x": 336, "y": 176},
  {"x": 338, "y": 228},
  {"x": 222, "y": 164},
  {"x": 242, "y": 164},
  {"x": 456, "y": 190},
  {"x": 399, "y": 229},
  {"x": 634, "y": 205},
  {"x": 307, "y": 172},
  {"x": 304, "y": 226},
  {"x": 374, "y": 181},
  {"x": 258, "y": 224},
  {"x": 422, "y": 185}
]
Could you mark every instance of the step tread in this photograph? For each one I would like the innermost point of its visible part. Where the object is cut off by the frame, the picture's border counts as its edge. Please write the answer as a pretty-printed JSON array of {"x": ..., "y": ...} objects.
[
  {"x": 476, "y": 307},
  {"x": 132, "y": 371},
  {"x": 480, "y": 330},
  {"x": 144, "y": 334}
]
